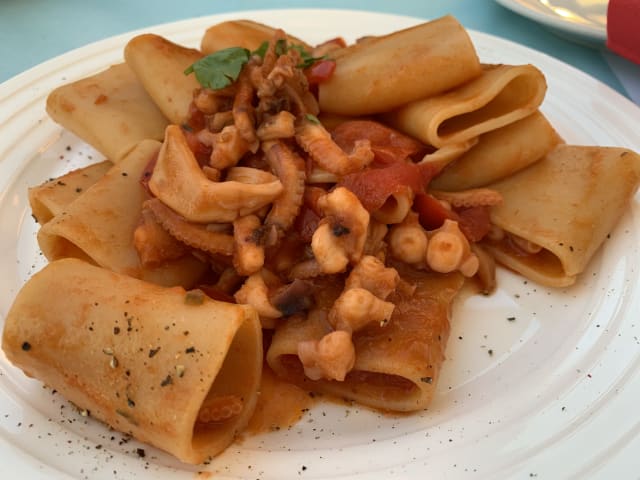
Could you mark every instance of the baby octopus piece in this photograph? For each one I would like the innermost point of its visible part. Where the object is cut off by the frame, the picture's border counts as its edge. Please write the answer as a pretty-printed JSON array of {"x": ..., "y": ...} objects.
[
  {"x": 227, "y": 146},
  {"x": 279, "y": 83},
  {"x": 278, "y": 126},
  {"x": 192, "y": 234},
  {"x": 375, "y": 244},
  {"x": 179, "y": 182},
  {"x": 408, "y": 240},
  {"x": 274, "y": 80},
  {"x": 290, "y": 170},
  {"x": 317, "y": 142},
  {"x": 526, "y": 246},
  {"x": 361, "y": 303},
  {"x": 355, "y": 308},
  {"x": 342, "y": 233},
  {"x": 243, "y": 110},
  {"x": 331, "y": 357},
  {"x": 153, "y": 243},
  {"x": 255, "y": 292},
  {"x": 248, "y": 255},
  {"x": 449, "y": 250},
  {"x": 271, "y": 55},
  {"x": 219, "y": 409},
  {"x": 372, "y": 275},
  {"x": 210, "y": 101}
]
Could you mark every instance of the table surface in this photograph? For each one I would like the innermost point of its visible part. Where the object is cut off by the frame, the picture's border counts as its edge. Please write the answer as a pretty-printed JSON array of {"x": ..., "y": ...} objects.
[{"x": 32, "y": 31}]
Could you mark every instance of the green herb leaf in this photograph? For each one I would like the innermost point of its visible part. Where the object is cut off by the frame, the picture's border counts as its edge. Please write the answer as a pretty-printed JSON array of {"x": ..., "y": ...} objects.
[
  {"x": 262, "y": 49},
  {"x": 220, "y": 69},
  {"x": 307, "y": 58},
  {"x": 281, "y": 47}
]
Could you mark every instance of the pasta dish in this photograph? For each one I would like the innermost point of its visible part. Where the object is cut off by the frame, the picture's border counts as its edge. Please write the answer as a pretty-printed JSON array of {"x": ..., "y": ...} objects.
[{"x": 310, "y": 211}]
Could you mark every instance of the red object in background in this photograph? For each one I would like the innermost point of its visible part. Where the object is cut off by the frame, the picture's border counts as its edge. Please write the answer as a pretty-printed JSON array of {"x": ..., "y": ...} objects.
[{"x": 623, "y": 28}]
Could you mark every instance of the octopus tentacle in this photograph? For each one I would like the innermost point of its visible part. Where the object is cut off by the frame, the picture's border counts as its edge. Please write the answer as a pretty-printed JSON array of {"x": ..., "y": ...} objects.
[
  {"x": 153, "y": 243},
  {"x": 283, "y": 69},
  {"x": 229, "y": 148},
  {"x": 317, "y": 142},
  {"x": 210, "y": 101},
  {"x": 290, "y": 170},
  {"x": 244, "y": 112},
  {"x": 192, "y": 234},
  {"x": 271, "y": 55},
  {"x": 219, "y": 120},
  {"x": 341, "y": 234},
  {"x": 248, "y": 256},
  {"x": 219, "y": 409},
  {"x": 277, "y": 126}
]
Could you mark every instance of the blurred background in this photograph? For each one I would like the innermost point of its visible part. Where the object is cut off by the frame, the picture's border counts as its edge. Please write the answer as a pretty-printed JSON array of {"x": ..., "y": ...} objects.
[{"x": 32, "y": 31}]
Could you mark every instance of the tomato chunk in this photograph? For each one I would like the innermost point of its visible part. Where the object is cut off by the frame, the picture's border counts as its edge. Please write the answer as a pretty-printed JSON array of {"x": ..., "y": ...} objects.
[
  {"x": 388, "y": 145},
  {"x": 375, "y": 185},
  {"x": 431, "y": 212},
  {"x": 474, "y": 222},
  {"x": 320, "y": 71}
]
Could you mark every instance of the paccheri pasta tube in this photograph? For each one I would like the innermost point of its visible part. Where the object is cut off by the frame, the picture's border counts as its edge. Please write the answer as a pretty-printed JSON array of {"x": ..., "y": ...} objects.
[
  {"x": 498, "y": 97},
  {"x": 110, "y": 110},
  {"x": 240, "y": 33},
  {"x": 385, "y": 72},
  {"x": 99, "y": 226},
  {"x": 159, "y": 65},
  {"x": 500, "y": 153},
  {"x": 397, "y": 365},
  {"x": 557, "y": 212},
  {"x": 173, "y": 368},
  {"x": 53, "y": 196}
]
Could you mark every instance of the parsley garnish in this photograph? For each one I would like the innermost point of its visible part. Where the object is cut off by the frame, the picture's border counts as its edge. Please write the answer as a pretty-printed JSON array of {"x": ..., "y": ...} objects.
[
  {"x": 307, "y": 58},
  {"x": 220, "y": 69},
  {"x": 262, "y": 49},
  {"x": 281, "y": 47}
]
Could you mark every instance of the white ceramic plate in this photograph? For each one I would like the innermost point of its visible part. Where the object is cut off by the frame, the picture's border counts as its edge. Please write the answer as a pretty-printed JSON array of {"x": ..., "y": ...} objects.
[
  {"x": 581, "y": 20},
  {"x": 538, "y": 382}
]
